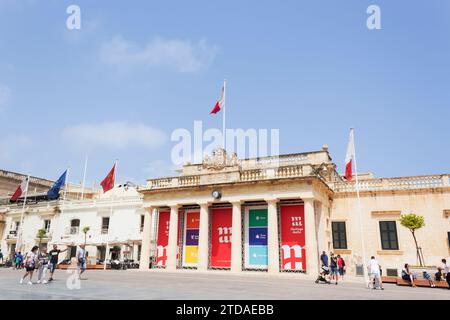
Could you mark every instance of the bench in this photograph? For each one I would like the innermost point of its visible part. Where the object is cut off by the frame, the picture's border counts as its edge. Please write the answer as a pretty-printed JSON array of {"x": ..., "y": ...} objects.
[
  {"x": 422, "y": 283},
  {"x": 388, "y": 279},
  {"x": 88, "y": 267}
]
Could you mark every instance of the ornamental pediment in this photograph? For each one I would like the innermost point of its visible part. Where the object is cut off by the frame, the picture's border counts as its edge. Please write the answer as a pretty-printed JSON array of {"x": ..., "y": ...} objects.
[{"x": 220, "y": 160}]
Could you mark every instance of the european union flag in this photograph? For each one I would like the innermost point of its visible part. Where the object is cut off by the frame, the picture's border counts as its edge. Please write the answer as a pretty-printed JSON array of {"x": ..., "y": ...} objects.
[{"x": 53, "y": 192}]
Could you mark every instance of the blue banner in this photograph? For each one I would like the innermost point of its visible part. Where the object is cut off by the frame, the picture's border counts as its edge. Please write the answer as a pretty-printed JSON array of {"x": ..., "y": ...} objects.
[{"x": 53, "y": 192}]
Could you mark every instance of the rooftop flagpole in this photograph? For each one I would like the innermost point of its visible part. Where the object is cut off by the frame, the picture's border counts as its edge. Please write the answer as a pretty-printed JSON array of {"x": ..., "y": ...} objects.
[
  {"x": 361, "y": 228},
  {"x": 20, "y": 235},
  {"x": 84, "y": 177},
  {"x": 224, "y": 130}
]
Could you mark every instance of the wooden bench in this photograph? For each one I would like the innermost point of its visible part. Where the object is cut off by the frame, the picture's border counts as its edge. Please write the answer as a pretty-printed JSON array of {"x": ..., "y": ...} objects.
[
  {"x": 388, "y": 279},
  {"x": 88, "y": 267},
  {"x": 422, "y": 283}
]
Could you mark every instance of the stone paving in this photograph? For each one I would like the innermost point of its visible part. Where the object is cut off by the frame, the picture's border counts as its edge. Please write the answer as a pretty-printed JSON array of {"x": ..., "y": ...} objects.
[{"x": 192, "y": 285}]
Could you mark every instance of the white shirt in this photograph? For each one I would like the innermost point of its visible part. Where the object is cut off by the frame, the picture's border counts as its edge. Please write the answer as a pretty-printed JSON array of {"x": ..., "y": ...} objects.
[
  {"x": 445, "y": 268},
  {"x": 374, "y": 267}
]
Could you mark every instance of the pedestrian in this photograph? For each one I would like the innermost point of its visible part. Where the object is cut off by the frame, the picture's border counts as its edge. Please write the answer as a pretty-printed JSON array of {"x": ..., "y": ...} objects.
[
  {"x": 30, "y": 264},
  {"x": 42, "y": 265},
  {"x": 427, "y": 276},
  {"x": 18, "y": 260},
  {"x": 374, "y": 273},
  {"x": 1, "y": 255},
  {"x": 446, "y": 271},
  {"x": 54, "y": 255},
  {"x": 341, "y": 266},
  {"x": 333, "y": 267},
  {"x": 324, "y": 259},
  {"x": 407, "y": 275},
  {"x": 81, "y": 260},
  {"x": 438, "y": 275}
]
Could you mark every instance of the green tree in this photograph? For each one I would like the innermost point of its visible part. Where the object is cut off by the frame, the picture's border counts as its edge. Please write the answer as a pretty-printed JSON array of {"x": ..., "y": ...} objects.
[
  {"x": 414, "y": 222},
  {"x": 85, "y": 231},
  {"x": 41, "y": 235}
]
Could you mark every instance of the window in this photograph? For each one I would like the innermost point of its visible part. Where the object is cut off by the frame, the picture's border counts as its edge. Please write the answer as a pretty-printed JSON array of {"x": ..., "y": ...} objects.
[
  {"x": 105, "y": 225},
  {"x": 74, "y": 226},
  {"x": 339, "y": 235},
  {"x": 142, "y": 222},
  {"x": 47, "y": 224},
  {"x": 388, "y": 232}
]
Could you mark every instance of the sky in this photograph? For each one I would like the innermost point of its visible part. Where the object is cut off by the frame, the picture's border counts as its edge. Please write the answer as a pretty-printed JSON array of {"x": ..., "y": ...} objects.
[{"x": 138, "y": 70}]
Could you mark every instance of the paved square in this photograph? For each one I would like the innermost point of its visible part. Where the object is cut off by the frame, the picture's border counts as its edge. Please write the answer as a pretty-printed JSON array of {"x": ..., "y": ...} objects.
[{"x": 138, "y": 285}]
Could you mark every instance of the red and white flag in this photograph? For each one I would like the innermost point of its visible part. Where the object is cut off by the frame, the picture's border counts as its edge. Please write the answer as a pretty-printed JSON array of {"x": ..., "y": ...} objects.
[
  {"x": 219, "y": 103},
  {"x": 108, "y": 183},
  {"x": 350, "y": 156},
  {"x": 20, "y": 190}
]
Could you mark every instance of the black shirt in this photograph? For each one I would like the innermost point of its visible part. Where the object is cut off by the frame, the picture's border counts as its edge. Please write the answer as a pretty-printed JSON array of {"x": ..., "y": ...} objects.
[{"x": 54, "y": 256}]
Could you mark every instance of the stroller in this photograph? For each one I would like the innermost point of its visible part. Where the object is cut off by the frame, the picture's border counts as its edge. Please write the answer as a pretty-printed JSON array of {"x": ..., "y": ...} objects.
[{"x": 322, "y": 276}]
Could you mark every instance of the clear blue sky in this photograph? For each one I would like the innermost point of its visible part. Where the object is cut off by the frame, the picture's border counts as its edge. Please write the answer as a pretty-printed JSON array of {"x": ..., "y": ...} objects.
[{"x": 137, "y": 70}]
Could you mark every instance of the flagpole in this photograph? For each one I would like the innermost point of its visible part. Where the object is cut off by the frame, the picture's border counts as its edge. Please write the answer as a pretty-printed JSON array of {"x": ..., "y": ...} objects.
[
  {"x": 361, "y": 229},
  {"x": 224, "y": 130},
  {"x": 110, "y": 211},
  {"x": 84, "y": 177},
  {"x": 22, "y": 214}
]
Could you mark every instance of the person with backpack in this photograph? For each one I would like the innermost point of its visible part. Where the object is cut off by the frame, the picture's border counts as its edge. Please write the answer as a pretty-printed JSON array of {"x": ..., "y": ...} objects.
[
  {"x": 30, "y": 264},
  {"x": 333, "y": 268},
  {"x": 341, "y": 266}
]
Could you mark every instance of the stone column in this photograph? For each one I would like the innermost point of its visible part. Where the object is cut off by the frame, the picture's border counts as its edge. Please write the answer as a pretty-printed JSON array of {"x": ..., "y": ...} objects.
[
  {"x": 146, "y": 237},
  {"x": 203, "y": 238},
  {"x": 173, "y": 239},
  {"x": 272, "y": 237},
  {"x": 236, "y": 238},
  {"x": 312, "y": 256}
]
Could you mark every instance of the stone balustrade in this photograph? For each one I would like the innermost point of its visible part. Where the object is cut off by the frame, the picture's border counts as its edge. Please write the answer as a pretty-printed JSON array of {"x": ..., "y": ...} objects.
[{"x": 406, "y": 183}]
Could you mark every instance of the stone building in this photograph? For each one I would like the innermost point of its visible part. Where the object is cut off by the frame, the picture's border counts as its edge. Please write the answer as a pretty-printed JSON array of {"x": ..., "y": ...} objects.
[{"x": 277, "y": 214}]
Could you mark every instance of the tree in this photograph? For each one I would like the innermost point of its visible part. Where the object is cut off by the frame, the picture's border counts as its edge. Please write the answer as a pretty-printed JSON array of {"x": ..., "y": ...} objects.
[
  {"x": 85, "y": 231},
  {"x": 41, "y": 235},
  {"x": 414, "y": 222}
]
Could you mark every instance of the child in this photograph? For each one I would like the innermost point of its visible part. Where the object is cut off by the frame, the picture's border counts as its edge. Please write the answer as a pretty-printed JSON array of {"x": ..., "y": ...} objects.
[{"x": 427, "y": 276}]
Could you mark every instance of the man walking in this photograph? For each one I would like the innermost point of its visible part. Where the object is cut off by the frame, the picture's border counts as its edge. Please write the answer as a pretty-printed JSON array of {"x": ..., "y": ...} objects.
[
  {"x": 54, "y": 255},
  {"x": 81, "y": 260},
  {"x": 1, "y": 255},
  {"x": 446, "y": 271},
  {"x": 324, "y": 259},
  {"x": 374, "y": 272}
]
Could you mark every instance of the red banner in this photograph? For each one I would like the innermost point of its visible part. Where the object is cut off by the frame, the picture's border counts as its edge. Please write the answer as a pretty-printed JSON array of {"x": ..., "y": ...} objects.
[
  {"x": 163, "y": 238},
  {"x": 221, "y": 220},
  {"x": 293, "y": 252}
]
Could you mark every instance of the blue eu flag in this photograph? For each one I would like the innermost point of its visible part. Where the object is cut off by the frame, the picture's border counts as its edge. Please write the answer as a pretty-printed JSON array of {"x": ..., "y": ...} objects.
[{"x": 53, "y": 193}]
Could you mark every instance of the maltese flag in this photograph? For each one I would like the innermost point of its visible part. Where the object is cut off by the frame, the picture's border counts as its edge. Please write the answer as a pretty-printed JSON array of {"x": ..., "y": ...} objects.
[
  {"x": 219, "y": 103},
  {"x": 349, "y": 157},
  {"x": 20, "y": 190}
]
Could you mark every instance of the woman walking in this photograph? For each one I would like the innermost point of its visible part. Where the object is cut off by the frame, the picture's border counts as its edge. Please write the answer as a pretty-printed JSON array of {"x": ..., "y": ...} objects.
[
  {"x": 42, "y": 265},
  {"x": 30, "y": 264}
]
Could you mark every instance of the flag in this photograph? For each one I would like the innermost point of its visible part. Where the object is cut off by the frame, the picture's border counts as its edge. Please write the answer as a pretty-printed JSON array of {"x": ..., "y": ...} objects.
[
  {"x": 108, "y": 183},
  {"x": 219, "y": 103},
  {"x": 21, "y": 189},
  {"x": 53, "y": 192},
  {"x": 349, "y": 157}
]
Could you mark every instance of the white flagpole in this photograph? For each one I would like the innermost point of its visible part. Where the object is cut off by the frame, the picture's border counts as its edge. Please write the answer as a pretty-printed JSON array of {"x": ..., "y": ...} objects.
[
  {"x": 361, "y": 229},
  {"x": 224, "y": 130},
  {"x": 20, "y": 236},
  {"x": 110, "y": 211},
  {"x": 84, "y": 177}
]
